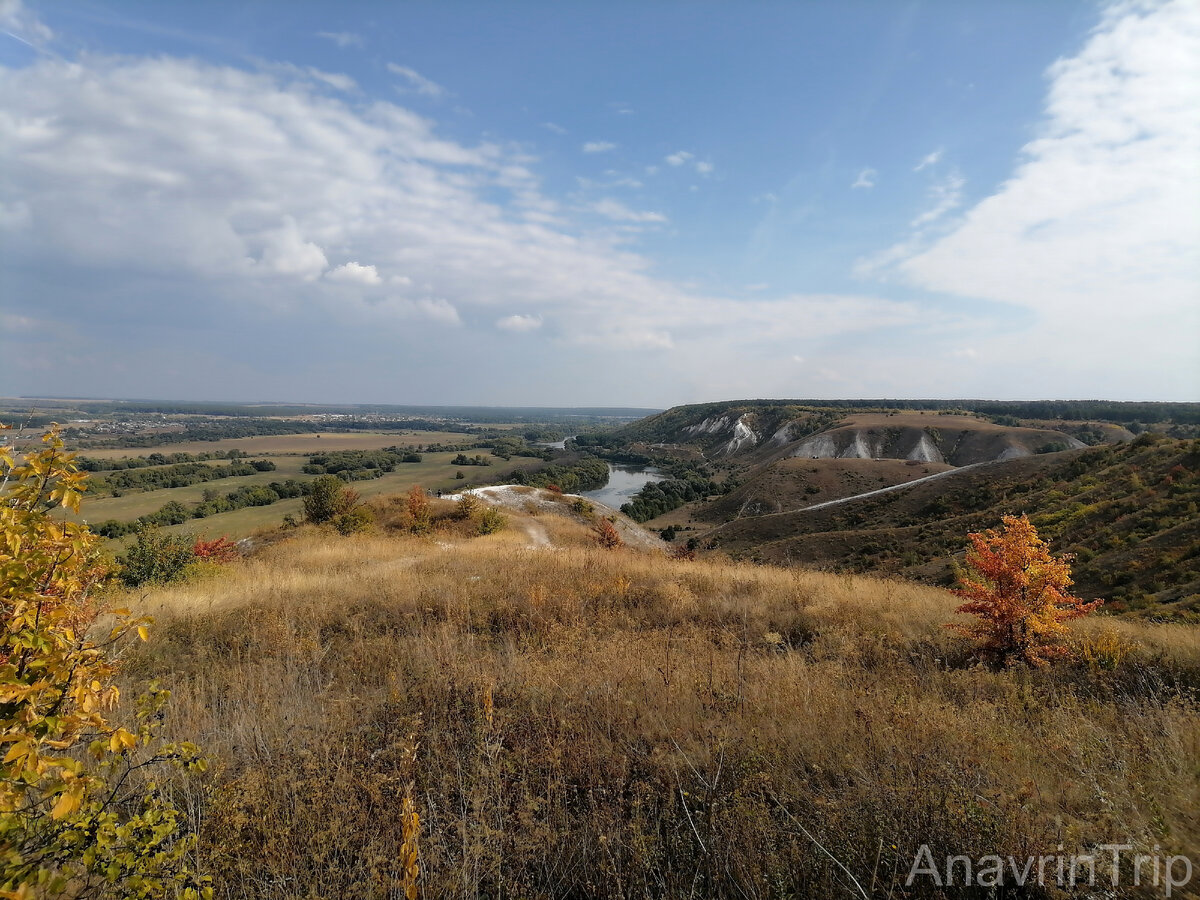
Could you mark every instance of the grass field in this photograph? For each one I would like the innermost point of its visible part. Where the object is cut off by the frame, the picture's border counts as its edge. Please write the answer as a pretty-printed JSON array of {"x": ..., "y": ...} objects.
[
  {"x": 572, "y": 722},
  {"x": 434, "y": 472}
]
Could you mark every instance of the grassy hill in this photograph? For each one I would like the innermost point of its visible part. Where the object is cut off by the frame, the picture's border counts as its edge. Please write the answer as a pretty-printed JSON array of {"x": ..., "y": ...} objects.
[
  {"x": 575, "y": 722},
  {"x": 1129, "y": 513}
]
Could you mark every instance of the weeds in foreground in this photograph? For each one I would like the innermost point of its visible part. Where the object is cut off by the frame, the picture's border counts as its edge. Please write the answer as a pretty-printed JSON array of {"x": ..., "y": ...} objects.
[{"x": 556, "y": 759}]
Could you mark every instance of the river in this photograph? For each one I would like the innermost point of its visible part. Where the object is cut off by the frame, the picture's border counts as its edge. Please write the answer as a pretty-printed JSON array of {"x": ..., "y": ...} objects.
[{"x": 623, "y": 482}]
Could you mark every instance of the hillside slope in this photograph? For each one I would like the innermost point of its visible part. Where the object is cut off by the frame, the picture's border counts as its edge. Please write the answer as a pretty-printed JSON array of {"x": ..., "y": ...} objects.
[
  {"x": 1128, "y": 512},
  {"x": 754, "y": 432},
  {"x": 573, "y": 722}
]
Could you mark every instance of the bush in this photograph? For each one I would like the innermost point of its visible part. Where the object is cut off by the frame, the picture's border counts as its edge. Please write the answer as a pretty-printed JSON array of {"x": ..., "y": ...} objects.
[
  {"x": 467, "y": 506},
  {"x": 492, "y": 520},
  {"x": 607, "y": 535},
  {"x": 156, "y": 558},
  {"x": 360, "y": 518},
  {"x": 419, "y": 512},
  {"x": 222, "y": 550},
  {"x": 73, "y": 823},
  {"x": 1019, "y": 594},
  {"x": 328, "y": 497}
]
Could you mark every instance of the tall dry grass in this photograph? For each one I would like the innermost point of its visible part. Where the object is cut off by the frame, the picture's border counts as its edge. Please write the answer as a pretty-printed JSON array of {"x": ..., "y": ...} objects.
[{"x": 585, "y": 723}]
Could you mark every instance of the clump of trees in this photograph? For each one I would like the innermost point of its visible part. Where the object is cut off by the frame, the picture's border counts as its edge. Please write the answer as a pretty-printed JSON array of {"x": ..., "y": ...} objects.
[
  {"x": 585, "y": 475},
  {"x": 359, "y": 465},
  {"x": 477, "y": 460}
]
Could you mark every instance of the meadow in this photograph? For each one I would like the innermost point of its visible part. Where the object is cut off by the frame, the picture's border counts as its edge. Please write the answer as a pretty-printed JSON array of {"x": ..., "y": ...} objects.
[
  {"x": 289, "y": 453},
  {"x": 577, "y": 722}
]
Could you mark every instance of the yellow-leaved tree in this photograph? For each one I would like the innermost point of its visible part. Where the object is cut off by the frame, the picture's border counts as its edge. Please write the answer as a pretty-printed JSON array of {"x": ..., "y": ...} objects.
[
  {"x": 80, "y": 813},
  {"x": 1019, "y": 593}
]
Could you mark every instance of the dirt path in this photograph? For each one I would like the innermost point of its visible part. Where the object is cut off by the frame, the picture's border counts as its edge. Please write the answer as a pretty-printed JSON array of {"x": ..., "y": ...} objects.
[
  {"x": 539, "y": 539},
  {"x": 884, "y": 490}
]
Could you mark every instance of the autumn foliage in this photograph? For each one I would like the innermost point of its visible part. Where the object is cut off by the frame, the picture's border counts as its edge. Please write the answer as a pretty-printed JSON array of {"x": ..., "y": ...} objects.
[
  {"x": 72, "y": 822},
  {"x": 607, "y": 535},
  {"x": 1019, "y": 594},
  {"x": 222, "y": 550}
]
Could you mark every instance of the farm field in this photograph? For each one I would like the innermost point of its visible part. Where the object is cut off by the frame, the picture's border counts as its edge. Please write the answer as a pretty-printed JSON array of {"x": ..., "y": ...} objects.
[
  {"x": 264, "y": 445},
  {"x": 434, "y": 472}
]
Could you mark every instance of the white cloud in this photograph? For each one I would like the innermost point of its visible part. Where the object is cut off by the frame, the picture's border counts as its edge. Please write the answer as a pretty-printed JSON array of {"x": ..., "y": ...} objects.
[
  {"x": 239, "y": 197},
  {"x": 1097, "y": 231},
  {"x": 22, "y": 24},
  {"x": 551, "y": 126},
  {"x": 946, "y": 195},
  {"x": 334, "y": 79},
  {"x": 416, "y": 81},
  {"x": 343, "y": 39},
  {"x": 286, "y": 252},
  {"x": 436, "y": 309},
  {"x": 519, "y": 323},
  {"x": 353, "y": 273},
  {"x": 619, "y": 212},
  {"x": 866, "y": 179},
  {"x": 930, "y": 159},
  {"x": 598, "y": 146},
  {"x": 704, "y": 168},
  {"x": 678, "y": 158}
]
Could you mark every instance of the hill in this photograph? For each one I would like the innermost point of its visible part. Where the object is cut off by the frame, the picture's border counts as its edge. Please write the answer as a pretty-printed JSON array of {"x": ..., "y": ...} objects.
[
  {"x": 1128, "y": 512},
  {"x": 575, "y": 722},
  {"x": 750, "y": 432}
]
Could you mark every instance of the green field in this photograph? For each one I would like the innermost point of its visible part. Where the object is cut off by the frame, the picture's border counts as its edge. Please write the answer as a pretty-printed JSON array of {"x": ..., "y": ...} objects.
[{"x": 434, "y": 472}]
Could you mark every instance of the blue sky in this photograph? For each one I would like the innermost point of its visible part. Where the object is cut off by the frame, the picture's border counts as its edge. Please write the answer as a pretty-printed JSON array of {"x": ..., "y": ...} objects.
[{"x": 600, "y": 203}]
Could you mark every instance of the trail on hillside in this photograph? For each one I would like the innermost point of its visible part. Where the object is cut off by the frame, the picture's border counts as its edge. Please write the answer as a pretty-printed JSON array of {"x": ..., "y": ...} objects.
[
  {"x": 884, "y": 490},
  {"x": 873, "y": 493}
]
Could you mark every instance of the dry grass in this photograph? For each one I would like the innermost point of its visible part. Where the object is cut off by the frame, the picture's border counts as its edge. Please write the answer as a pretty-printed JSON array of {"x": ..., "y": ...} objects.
[{"x": 589, "y": 723}]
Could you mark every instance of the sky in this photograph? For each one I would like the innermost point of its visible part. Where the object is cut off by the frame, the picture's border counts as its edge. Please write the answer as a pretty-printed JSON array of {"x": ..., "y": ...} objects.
[{"x": 600, "y": 203}]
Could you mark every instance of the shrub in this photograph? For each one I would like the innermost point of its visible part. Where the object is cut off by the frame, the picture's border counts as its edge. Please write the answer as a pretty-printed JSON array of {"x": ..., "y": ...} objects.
[
  {"x": 419, "y": 511},
  {"x": 355, "y": 520},
  {"x": 467, "y": 506},
  {"x": 607, "y": 535},
  {"x": 491, "y": 520},
  {"x": 73, "y": 823},
  {"x": 328, "y": 497},
  {"x": 1018, "y": 592},
  {"x": 222, "y": 550},
  {"x": 156, "y": 558}
]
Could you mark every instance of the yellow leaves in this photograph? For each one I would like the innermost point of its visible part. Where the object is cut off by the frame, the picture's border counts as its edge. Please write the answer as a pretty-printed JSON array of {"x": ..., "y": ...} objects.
[
  {"x": 143, "y": 632},
  {"x": 68, "y": 802},
  {"x": 121, "y": 740},
  {"x": 410, "y": 829},
  {"x": 1019, "y": 592}
]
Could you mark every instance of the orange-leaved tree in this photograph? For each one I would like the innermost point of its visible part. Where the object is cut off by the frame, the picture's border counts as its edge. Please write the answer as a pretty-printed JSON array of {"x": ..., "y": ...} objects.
[
  {"x": 1019, "y": 593},
  {"x": 73, "y": 823}
]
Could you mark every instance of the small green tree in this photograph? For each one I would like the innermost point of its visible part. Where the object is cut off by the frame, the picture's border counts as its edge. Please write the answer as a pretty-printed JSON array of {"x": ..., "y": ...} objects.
[
  {"x": 72, "y": 821},
  {"x": 467, "y": 507},
  {"x": 491, "y": 520},
  {"x": 328, "y": 497},
  {"x": 156, "y": 557}
]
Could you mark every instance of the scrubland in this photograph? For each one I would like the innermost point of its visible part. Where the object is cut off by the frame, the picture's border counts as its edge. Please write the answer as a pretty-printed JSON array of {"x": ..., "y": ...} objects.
[{"x": 575, "y": 722}]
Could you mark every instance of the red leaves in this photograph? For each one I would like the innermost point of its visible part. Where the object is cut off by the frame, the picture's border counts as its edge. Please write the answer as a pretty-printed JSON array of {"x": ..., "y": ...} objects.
[
  {"x": 222, "y": 550},
  {"x": 1020, "y": 594}
]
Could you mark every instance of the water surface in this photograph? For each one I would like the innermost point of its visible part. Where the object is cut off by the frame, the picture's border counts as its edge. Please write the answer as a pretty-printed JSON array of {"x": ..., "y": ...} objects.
[{"x": 623, "y": 482}]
